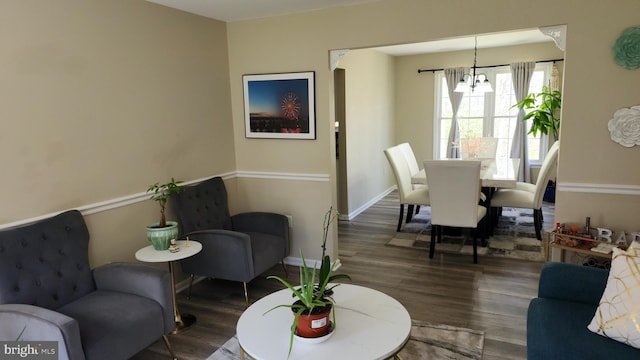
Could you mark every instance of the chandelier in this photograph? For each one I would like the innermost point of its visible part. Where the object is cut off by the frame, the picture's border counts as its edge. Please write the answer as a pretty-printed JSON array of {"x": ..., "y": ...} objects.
[{"x": 474, "y": 79}]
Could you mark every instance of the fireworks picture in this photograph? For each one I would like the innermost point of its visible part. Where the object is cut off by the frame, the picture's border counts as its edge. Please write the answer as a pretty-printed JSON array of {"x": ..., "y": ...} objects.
[
  {"x": 290, "y": 107},
  {"x": 280, "y": 105}
]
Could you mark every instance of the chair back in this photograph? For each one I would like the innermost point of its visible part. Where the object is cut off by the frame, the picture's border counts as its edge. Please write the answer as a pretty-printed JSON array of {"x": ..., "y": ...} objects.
[
  {"x": 478, "y": 148},
  {"x": 46, "y": 263},
  {"x": 401, "y": 171},
  {"x": 410, "y": 157},
  {"x": 549, "y": 163},
  {"x": 202, "y": 206},
  {"x": 454, "y": 190}
]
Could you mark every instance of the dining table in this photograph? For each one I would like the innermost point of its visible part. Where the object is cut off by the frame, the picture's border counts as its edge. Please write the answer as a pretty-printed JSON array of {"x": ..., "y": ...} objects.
[{"x": 494, "y": 173}]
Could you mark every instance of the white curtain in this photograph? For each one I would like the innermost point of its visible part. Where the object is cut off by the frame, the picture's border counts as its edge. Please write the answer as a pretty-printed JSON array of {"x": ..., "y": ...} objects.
[
  {"x": 521, "y": 74},
  {"x": 453, "y": 76}
]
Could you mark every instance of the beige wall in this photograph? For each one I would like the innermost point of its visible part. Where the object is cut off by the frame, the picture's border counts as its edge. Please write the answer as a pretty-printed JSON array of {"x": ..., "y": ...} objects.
[
  {"x": 369, "y": 124},
  {"x": 99, "y": 99},
  {"x": 88, "y": 86},
  {"x": 301, "y": 42}
]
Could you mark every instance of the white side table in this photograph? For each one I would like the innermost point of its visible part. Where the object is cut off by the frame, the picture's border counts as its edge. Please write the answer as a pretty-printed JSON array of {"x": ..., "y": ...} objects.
[
  {"x": 370, "y": 325},
  {"x": 149, "y": 254}
]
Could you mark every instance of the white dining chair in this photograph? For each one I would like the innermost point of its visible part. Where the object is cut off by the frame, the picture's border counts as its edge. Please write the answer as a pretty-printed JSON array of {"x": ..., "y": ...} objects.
[
  {"x": 478, "y": 148},
  {"x": 414, "y": 169},
  {"x": 454, "y": 190},
  {"x": 526, "y": 195},
  {"x": 408, "y": 195}
]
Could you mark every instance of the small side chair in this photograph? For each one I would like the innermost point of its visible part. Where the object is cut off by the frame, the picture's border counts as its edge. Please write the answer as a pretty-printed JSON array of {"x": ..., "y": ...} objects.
[
  {"x": 235, "y": 248},
  {"x": 48, "y": 292}
]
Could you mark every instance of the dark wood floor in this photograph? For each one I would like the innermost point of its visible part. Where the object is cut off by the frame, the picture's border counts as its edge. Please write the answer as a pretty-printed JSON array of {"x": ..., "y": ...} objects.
[{"x": 492, "y": 295}]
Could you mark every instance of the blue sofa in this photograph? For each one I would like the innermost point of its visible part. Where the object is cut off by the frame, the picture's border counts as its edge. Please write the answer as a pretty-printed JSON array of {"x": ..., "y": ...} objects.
[{"x": 557, "y": 319}]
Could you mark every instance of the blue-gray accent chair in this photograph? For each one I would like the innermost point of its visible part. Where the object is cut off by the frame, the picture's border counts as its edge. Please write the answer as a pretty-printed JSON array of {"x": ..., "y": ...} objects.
[
  {"x": 48, "y": 292},
  {"x": 235, "y": 248}
]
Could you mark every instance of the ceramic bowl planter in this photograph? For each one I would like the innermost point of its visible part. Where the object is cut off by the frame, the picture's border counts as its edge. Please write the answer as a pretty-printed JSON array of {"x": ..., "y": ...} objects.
[{"x": 160, "y": 237}]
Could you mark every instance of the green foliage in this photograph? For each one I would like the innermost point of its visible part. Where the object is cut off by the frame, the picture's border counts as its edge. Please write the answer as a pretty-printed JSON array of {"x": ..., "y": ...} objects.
[
  {"x": 326, "y": 268},
  {"x": 161, "y": 193},
  {"x": 308, "y": 293},
  {"x": 313, "y": 294},
  {"x": 544, "y": 113}
]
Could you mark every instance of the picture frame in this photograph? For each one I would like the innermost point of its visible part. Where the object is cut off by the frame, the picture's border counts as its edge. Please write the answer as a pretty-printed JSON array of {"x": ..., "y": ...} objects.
[{"x": 280, "y": 106}]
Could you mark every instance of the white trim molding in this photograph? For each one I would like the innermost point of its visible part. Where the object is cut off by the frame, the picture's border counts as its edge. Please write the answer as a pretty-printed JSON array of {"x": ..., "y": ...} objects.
[
  {"x": 558, "y": 33},
  {"x": 283, "y": 176},
  {"x": 599, "y": 188},
  {"x": 143, "y": 196},
  {"x": 335, "y": 56}
]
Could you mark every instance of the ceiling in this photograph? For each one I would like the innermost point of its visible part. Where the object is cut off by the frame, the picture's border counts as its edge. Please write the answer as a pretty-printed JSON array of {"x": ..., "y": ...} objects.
[
  {"x": 510, "y": 38},
  {"x": 236, "y": 10}
]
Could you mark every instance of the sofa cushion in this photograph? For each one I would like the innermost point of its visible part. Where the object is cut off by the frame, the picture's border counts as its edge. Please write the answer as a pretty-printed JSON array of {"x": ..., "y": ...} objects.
[
  {"x": 109, "y": 320},
  {"x": 618, "y": 314},
  {"x": 557, "y": 329}
]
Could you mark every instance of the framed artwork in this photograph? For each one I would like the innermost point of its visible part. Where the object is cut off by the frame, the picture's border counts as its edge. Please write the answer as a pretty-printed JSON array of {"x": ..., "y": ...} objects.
[{"x": 280, "y": 106}]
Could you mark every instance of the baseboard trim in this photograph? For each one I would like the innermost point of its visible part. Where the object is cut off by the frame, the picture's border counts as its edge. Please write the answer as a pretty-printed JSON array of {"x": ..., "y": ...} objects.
[
  {"x": 368, "y": 204},
  {"x": 296, "y": 261},
  {"x": 599, "y": 188}
]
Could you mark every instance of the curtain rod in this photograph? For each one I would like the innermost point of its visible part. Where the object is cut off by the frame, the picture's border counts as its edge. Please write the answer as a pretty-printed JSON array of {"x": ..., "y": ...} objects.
[{"x": 489, "y": 66}]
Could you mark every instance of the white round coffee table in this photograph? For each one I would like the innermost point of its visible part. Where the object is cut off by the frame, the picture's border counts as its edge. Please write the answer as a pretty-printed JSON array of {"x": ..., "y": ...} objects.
[
  {"x": 370, "y": 325},
  {"x": 187, "y": 248}
]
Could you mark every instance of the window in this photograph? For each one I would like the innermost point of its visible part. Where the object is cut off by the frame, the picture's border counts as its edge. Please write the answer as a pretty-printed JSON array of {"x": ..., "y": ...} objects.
[{"x": 490, "y": 114}]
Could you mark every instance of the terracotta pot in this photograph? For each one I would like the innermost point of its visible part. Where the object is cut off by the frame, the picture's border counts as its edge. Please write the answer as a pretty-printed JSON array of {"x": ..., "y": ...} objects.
[{"x": 314, "y": 325}]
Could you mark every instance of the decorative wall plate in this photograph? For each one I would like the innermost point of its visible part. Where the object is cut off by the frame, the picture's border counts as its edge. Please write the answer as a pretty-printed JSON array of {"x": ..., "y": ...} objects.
[
  {"x": 625, "y": 126},
  {"x": 626, "y": 50}
]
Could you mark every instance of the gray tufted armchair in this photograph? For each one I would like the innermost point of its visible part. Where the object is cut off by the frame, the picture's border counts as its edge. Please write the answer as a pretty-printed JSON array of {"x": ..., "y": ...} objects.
[
  {"x": 49, "y": 293},
  {"x": 236, "y": 248}
]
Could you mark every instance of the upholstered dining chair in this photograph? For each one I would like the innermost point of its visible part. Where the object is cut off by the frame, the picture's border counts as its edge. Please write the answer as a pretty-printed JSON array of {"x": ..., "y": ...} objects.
[
  {"x": 408, "y": 194},
  {"x": 454, "y": 192},
  {"x": 414, "y": 169},
  {"x": 526, "y": 195},
  {"x": 234, "y": 247}
]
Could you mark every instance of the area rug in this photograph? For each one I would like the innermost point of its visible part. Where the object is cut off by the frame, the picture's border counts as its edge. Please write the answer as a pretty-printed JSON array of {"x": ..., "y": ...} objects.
[
  {"x": 514, "y": 236},
  {"x": 427, "y": 341}
]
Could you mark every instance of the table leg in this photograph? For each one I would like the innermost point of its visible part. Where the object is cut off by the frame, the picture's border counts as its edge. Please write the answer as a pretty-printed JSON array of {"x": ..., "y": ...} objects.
[{"x": 183, "y": 322}]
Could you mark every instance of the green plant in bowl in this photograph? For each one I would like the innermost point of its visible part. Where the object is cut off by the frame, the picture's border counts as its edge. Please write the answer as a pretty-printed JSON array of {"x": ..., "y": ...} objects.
[{"x": 161, "y": 193}]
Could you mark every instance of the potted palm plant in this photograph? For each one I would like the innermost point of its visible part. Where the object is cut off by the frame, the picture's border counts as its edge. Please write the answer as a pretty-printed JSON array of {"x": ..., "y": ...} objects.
[
  {"x": 313, "y": 305},
  {"x": 544, "y": 111},
  {"x": 161, "y": 233},
  {"x": 545, "y": 117}
]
